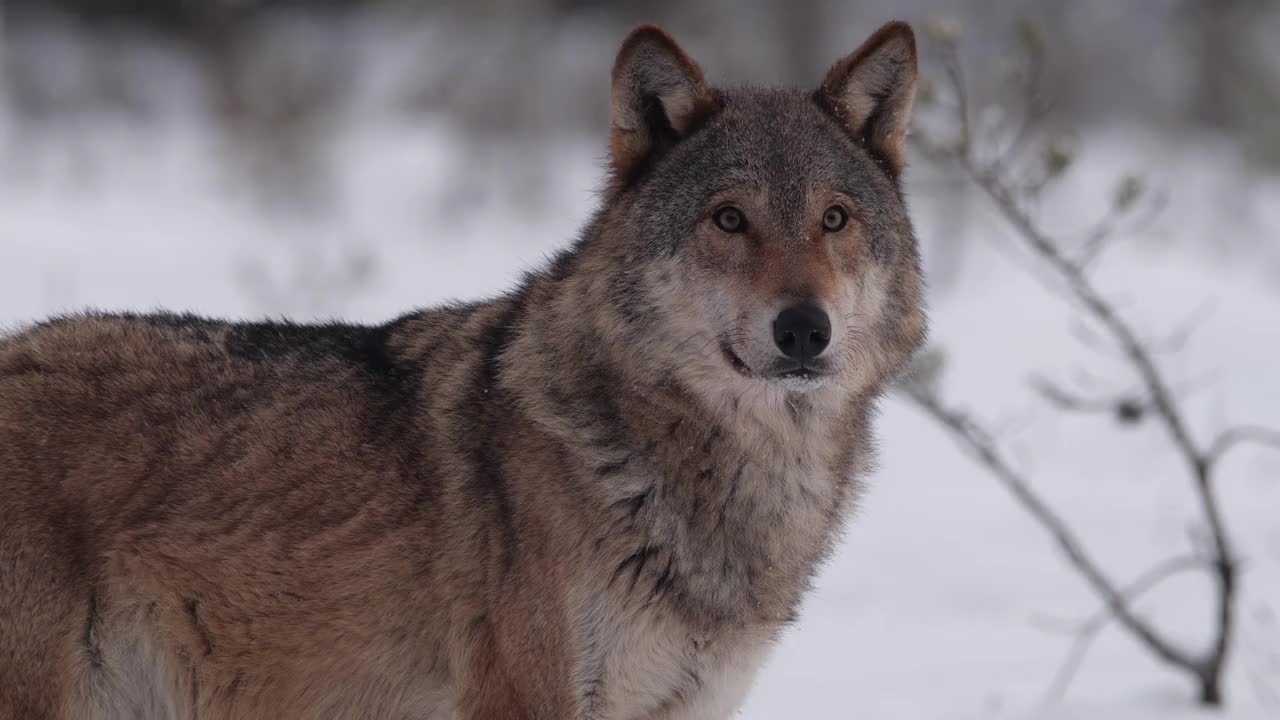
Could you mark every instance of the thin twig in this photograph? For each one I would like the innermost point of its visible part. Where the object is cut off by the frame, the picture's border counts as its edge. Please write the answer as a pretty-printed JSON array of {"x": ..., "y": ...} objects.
[
  {"x": 1089, "y": 630},
  {"x": 979, "y": 445},
  {"x": 1237, "y": 436},
  {"x": 1132, "y": 219},
  {"x": 1162, "y": 400}
]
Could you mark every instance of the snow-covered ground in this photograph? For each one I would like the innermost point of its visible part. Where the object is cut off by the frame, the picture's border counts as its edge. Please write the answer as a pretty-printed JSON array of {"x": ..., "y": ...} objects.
[{"x": 936, "y": 604}]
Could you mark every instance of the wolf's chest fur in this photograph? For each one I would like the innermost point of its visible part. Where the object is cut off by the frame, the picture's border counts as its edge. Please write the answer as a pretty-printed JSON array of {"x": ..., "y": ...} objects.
[
  {"x": 651, "y": 665},
  {"x": 714, "y": 542}
]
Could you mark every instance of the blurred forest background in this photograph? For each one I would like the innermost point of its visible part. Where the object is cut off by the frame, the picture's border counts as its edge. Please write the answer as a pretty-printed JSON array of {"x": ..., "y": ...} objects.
[
  {"x": 355, "y": 158},
  {"x": 279, "y": 85},
  {"x": 1170, "y": 66}
]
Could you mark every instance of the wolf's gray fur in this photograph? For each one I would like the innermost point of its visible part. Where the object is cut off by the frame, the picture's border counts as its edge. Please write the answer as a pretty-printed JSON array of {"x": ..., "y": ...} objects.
[{"x": 598, "y": 496}]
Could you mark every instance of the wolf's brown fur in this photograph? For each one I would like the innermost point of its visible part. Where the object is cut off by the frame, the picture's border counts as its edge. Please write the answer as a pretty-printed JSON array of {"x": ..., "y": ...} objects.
[{"x": 590, "y": 498}]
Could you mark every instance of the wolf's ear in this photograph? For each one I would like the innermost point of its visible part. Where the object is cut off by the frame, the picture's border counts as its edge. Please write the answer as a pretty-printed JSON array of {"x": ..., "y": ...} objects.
[
  {"x": 871, "y": 90},
  {"x": 659, "y": 96}
]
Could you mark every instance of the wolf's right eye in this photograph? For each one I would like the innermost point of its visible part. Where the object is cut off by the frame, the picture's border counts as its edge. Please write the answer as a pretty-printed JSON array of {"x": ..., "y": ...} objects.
[
  {"x": 730, "y": 219},
  {"x": 835, "y": 218}
]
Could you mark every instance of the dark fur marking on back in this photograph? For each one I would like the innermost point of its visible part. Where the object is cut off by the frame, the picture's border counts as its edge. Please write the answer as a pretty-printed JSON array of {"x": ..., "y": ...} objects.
[
  {"x": 394, "y": 382},
  {"x": 361, "y": 346}
]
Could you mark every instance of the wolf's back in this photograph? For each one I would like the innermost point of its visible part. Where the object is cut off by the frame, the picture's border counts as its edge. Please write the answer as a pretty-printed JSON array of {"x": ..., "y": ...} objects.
[{"x": 166, "y": 480}]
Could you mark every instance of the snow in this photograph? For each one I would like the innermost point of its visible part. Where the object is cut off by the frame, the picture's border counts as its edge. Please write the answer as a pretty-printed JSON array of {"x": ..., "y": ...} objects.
[{"x": 936, "y": 604}]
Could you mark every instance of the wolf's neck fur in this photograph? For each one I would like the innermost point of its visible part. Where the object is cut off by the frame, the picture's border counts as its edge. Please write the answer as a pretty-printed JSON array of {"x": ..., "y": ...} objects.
[{"x": 727, "y": 505}]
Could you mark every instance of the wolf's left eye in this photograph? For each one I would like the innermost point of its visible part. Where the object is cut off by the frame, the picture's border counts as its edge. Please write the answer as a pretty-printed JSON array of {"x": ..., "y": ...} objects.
[
  {"x": 835, "y": 218},
  {"x": 730, "y": 219}
]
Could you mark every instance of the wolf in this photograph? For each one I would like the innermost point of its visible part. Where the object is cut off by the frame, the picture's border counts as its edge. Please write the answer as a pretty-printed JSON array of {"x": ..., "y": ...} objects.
[{"x": 600, "y": 496}]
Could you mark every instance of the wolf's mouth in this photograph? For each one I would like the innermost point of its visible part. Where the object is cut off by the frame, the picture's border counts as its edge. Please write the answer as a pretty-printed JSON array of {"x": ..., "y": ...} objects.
[
  {"x": 734, "y": 361},
  {"x": 793, "y": 374},
  {"x": 800, "y": 373}
]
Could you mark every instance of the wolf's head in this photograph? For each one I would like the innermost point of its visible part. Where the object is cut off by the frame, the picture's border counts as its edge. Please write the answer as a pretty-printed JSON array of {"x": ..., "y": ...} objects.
[{"x": 758, "y": 239}]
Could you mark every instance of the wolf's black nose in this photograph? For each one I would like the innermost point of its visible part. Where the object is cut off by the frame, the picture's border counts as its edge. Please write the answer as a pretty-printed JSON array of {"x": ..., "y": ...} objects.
[{"x": 802, "y": 332}]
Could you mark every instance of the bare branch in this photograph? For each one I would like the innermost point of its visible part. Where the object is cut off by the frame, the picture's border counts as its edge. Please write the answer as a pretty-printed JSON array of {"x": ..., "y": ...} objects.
[
  {"x": 975, "y": 441},
  {"x": 1163, "y": 403},
  {"x": 1087, "y": 631},
  {"x": 1068, "y": 275}
]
